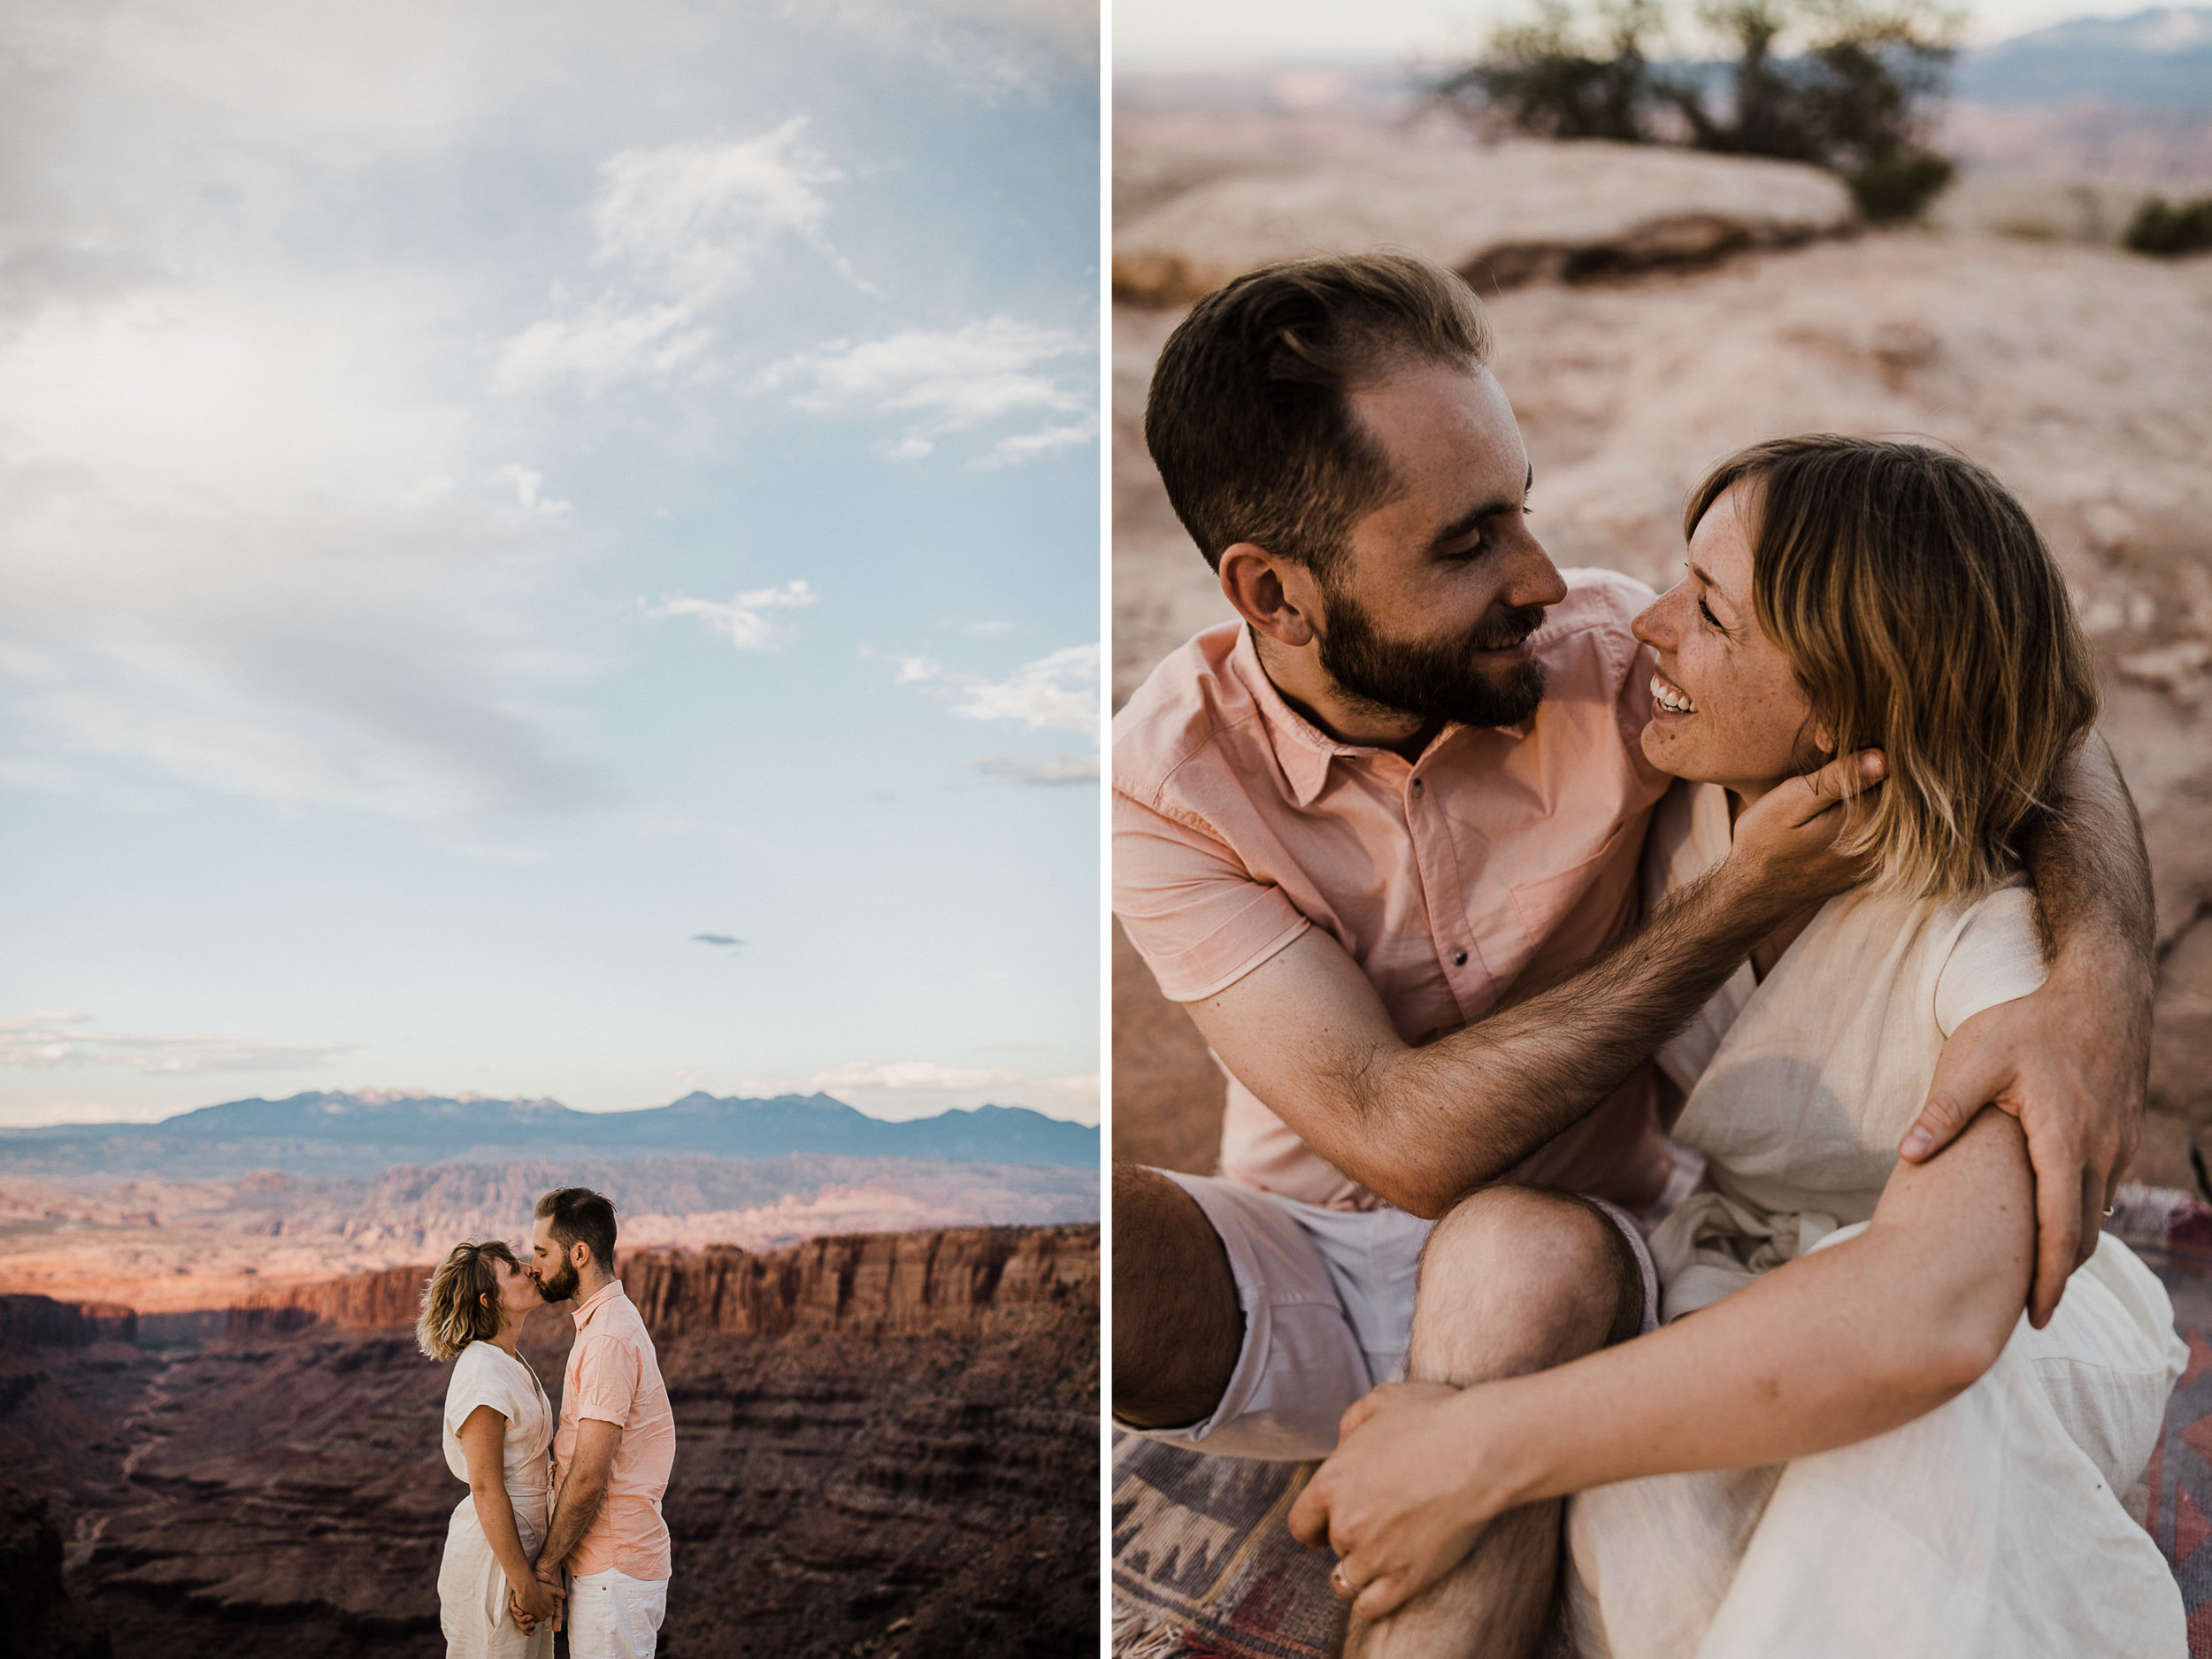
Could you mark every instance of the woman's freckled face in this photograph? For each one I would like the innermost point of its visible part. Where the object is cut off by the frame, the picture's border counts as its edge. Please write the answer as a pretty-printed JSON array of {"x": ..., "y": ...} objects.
[
  {"x": 1725, "y": 707},
  {"x": 517, "y": 1292}
]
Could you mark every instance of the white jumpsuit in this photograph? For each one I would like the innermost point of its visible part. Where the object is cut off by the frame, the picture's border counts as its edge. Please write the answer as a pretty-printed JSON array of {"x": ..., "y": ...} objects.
[
  {"x": 472, "y": 1588},
  {"x": 1991, "y": 1528}
]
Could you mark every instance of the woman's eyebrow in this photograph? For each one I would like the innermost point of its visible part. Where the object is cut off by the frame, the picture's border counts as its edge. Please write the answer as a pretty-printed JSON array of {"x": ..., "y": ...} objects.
[{"x": 1705, "y": 577}]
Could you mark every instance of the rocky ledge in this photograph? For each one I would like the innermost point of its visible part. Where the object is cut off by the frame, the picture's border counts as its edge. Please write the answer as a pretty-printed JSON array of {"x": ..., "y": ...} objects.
[
  {"x": 1502, "y": 215},
  {"x": 886, "y": 1444}
]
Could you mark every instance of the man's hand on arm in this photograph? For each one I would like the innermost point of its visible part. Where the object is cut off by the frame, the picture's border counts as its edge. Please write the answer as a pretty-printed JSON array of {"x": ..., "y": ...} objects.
[
  {"x": 2070, "y": 1060},
  {"x": 1308, "y": 1034}
]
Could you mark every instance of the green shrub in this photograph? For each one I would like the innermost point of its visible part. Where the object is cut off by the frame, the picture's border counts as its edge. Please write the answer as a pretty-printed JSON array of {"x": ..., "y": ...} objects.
[
  {"x": 1857, "y": 96},
  {"x": 2186, "y": 228},
  {"x": 1901, "y": 185}
]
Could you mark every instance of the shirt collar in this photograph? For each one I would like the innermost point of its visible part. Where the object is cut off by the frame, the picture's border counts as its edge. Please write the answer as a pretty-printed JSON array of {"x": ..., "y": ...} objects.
[
  {"x": 1302, "y": 749},
  {"x": 585, "y": 1309}
]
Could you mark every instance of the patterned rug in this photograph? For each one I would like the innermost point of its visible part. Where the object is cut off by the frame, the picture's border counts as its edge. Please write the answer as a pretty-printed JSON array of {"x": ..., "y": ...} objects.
[{"x": 1205, "y": 1568}]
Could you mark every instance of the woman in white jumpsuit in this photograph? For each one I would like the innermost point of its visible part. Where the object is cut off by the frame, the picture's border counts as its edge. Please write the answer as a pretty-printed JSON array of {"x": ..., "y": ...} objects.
[
  {"x": 1859, "y": 1447},
  {"x": 497, "y": 1429}
]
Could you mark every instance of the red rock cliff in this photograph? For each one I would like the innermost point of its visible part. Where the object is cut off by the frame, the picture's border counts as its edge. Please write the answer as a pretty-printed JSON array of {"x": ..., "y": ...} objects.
[
  {"x": 968, "y": 1281},
  {"x": 28, "y": 1322}
]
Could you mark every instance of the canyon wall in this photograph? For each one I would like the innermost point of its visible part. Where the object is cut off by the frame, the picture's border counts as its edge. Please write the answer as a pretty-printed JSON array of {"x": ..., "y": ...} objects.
[
  {"x": 29, "y": 1322},
  {"x": 968, "y": 1281},
  {"x": 885, "y": 1443}
]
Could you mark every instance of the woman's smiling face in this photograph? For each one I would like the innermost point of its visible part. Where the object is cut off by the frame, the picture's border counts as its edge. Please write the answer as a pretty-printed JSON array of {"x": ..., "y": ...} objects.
[{"x": 1724, "y": 707}]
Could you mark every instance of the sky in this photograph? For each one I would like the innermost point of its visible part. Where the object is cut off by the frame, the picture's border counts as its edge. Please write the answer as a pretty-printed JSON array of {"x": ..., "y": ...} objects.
[
  {"x": 1168, "y": 34},
  {"x": 549, "y": 550}
]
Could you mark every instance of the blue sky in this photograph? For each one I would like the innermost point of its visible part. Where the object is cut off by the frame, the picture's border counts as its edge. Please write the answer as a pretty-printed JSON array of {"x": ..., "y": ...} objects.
[{"x": 498, "y": 502}]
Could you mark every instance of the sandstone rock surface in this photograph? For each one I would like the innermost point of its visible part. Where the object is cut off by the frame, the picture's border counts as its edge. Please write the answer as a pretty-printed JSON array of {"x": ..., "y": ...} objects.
[
  {"x": 872, "y": 1433},
  {"x": 1502, "y": 214}
]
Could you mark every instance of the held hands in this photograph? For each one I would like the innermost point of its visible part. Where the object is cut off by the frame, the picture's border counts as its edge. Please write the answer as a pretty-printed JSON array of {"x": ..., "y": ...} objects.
[
  {"x": 1405, "y": 1495},
  {"x": 541, "y": 1598},
  {"x": 2069, "y": 1062},
  {"x": 1785, "y": 841}
]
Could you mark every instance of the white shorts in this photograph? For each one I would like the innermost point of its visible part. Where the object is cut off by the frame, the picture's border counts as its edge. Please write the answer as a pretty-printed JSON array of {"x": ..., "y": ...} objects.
[
  {"x": 1328, "y": 1311},
  {"x": 613, "y": 1616}
]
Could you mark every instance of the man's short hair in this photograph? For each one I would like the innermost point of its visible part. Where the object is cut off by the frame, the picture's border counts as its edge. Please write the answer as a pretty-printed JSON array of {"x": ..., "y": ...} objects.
[
  {"x": 581, "y": 1215},
  {"x": 1249, "y": 418}
]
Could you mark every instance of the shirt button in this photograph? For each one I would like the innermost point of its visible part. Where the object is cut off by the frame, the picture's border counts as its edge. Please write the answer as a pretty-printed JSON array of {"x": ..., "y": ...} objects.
[
  {"x": 1417, "y": 786},
  {"x": 1459, "y": 958}
]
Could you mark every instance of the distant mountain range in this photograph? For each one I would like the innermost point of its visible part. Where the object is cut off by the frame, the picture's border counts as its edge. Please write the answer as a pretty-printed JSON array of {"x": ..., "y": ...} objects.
[
  {"x": 339, "y": 1134},
  {"x": 2160, "y": 60}
]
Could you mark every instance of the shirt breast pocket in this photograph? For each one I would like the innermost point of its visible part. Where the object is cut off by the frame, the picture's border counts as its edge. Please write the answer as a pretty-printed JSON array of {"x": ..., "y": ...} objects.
[{"x": 1590, "y": 890}]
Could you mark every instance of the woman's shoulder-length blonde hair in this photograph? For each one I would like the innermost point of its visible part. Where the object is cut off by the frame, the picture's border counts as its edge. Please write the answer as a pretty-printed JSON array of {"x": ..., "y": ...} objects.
[
  {"x": 461, "y": 1304},
  {"x": 1922, "y": 615}
]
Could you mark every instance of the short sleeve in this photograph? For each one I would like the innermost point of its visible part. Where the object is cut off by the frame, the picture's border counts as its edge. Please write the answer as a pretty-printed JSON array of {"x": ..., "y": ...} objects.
[
  {"x": 1195, "y": 914},
  {"x": 608, "y": 1375},
  {"x": 477, "y": 1382},
  {"x": 1995, "y": 958}
]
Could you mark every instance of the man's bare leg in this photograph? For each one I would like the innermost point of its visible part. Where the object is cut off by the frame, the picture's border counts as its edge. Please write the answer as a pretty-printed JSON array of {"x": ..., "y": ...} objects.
[
  {"x": 1178, "y": 1321},
  {"x": 1513, "y": 1280}
]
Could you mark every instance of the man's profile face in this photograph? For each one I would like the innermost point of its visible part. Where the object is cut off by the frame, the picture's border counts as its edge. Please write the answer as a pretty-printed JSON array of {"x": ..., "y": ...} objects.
[
  {"x": 550, "y": 1264},
  {"x": 1428, "y": 610}
]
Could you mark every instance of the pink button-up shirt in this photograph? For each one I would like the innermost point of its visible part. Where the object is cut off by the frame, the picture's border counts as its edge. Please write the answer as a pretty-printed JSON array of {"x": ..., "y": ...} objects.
[
  {"x": 614, "y": 1375},
  {"x": 1499, "y": 854}
]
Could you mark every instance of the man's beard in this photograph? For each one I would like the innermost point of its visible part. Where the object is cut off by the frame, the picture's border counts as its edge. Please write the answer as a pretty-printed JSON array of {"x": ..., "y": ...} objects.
[
  {"x": 560, "y": 1285},
  {"x": 1431, "y": 679}
]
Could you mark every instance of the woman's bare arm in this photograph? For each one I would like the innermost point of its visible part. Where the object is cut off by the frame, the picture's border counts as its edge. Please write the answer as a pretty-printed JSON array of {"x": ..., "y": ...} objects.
[
  {"x": 483, "y": 1441},
  {"x": 1833, "y": 1349}
]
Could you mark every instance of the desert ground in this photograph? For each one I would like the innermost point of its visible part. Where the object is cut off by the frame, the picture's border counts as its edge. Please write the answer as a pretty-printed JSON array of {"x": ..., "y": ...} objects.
[{"x": 2008, "y": 326}]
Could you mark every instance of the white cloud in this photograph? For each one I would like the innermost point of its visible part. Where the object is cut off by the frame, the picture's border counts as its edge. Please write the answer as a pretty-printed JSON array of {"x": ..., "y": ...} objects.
[
  {"x": 991, "y": 50},
  {"x": 1062, "y": 768},
  {"x": 1028, "y": 446},
  {"x": 695, "y": 220},
  {"x": 528, "y": 487},
  {"x": 684, "y": 228},
  {"x": 914, "y": 670},
  {"x": 606, "y": 342},
  {"x": 234, "y": 554},
  {"x": 46, "y": 1039},
  {"x": 744, "y": 618},
  {"x": 907, "y": 1088},
  {"x": 1056, "y": 692},
  {"x": 951, "y": 380}
]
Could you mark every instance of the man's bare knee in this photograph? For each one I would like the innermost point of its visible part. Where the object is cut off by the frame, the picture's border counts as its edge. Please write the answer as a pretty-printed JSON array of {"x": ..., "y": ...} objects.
[
  {"x": 1515, "y": 1279},
  {"x": 1179, "y": 1325}
]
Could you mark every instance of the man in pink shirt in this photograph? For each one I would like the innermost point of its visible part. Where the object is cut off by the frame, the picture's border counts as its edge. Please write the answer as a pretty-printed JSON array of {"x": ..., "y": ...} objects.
[
  {"x": 616, "y": 1444},
  {"x": 1373, "y": 835}
]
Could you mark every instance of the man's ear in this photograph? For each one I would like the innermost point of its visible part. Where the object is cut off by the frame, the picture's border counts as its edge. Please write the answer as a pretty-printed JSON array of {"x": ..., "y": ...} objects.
[{"x": 1274, "y": 594}]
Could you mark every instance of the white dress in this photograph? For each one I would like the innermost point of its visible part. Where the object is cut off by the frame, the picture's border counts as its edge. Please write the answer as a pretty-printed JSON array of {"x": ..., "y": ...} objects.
[
  {"x": 472, "y": 1588},
  {"x": 1991, "y": 1528}
]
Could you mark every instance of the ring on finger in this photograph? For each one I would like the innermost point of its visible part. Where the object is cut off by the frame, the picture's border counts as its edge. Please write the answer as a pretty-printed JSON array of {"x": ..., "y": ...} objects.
[{"x": 1341, "y": 1585}]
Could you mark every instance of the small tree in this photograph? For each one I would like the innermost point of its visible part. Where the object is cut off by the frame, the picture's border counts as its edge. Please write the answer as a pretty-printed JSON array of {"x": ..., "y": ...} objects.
[
  {"x": 1857, "y": 97},
  {"x": 2183, "y": 227}
]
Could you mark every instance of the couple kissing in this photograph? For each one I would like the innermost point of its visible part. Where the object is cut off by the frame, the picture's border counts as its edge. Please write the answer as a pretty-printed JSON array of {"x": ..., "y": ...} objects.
[{"x": 562, "y": 1525}]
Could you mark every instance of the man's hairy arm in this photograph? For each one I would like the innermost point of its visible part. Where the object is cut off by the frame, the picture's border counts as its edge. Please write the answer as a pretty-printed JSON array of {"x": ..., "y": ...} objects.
[
  {"x": 1306, "y": 1033},
  {"x": 2070, "y": 1060},
  {"x": 583, "y": 1487}
]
